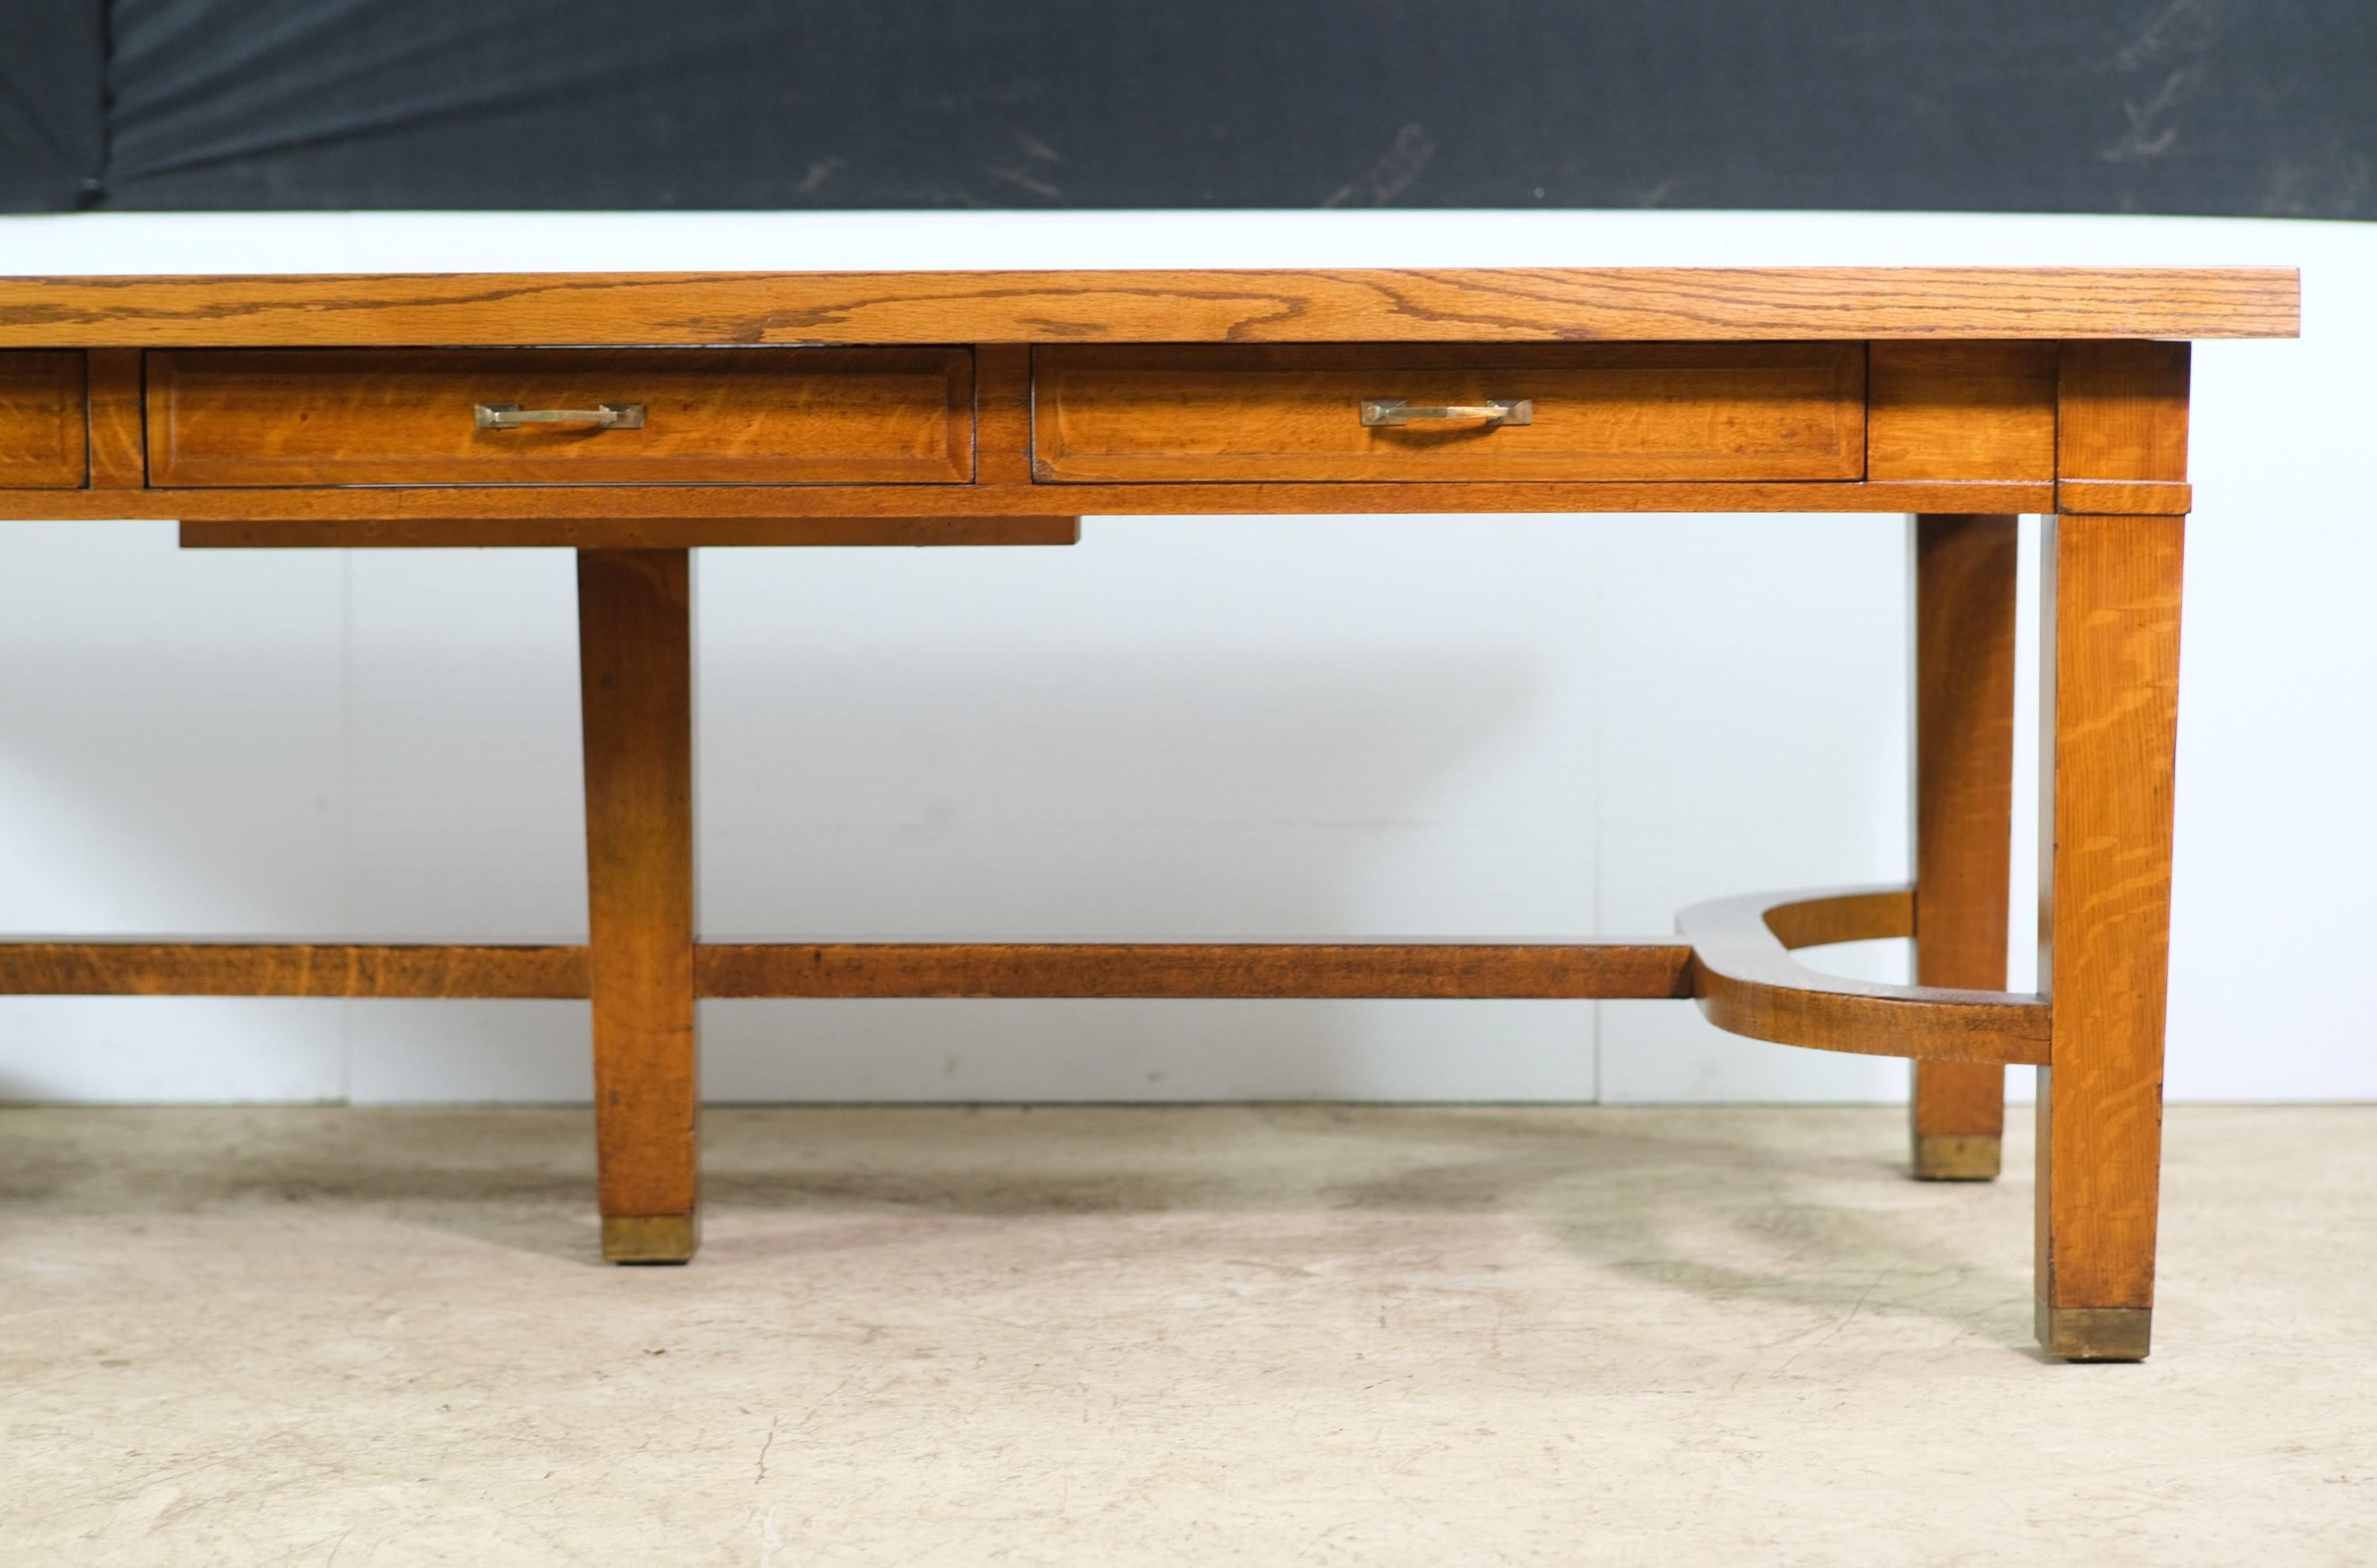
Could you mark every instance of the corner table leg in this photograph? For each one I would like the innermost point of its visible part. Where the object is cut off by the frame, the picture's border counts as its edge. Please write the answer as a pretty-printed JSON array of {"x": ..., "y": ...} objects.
[
  {"x": 636, "y": 690},
  {"x": 1964, "y": 816},
  {"x": 2110, "y": 612}
]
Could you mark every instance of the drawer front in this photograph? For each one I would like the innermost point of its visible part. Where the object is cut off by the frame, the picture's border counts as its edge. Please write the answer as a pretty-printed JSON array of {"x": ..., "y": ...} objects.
[
  {"x": 44, "y": 444},
  {"x": 699, "y": 416},
  {"x": 1611, "y": 410}
]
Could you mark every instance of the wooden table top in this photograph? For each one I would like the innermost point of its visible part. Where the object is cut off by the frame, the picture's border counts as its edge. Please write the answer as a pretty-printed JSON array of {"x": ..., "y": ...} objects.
[{"x": 1441, "y": 305}]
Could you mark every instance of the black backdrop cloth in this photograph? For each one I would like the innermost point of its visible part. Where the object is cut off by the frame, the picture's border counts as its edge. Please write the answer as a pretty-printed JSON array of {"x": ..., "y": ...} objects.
[{"x": 2244, "y": 107}]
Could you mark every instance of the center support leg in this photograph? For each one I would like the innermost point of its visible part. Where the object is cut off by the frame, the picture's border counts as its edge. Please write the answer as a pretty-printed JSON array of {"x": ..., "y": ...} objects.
[
  {"x": 2110, "y": 612},
  {"x": 636, "y": 693},
  {"x": 1964, "y": 816}
]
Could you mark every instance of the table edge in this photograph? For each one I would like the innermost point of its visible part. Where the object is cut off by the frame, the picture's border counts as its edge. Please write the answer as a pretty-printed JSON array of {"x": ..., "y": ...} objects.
[{"x": 1137, "y": 305}]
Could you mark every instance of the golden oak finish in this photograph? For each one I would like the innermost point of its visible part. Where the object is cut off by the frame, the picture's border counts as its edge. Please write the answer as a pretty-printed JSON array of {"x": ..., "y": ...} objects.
[
  {"x": 997, "y": 407},
  {"x": 1600, "y": 412},
  {"x": 42, "y": 439},
  {"x": 2136, "y": 497},
  {"x": 1746, "y": 983},
  {"x": 139, "y": 968},
  {"x": 1542, "y": 969},
  {"x": 753, "y": 416},
  {"x": 636, "y": 675},
  {"x": 2121, "y": 435},
  {"x": 695, "y": 505},
  {"x": 119, "y": 446},
  {"x": 1002, "y": 413},
  {"x": 1819, "y": 919},
  {"x": 1641, "y": 303},
  {"x": 1964, "y": 816},
  {"x": 1961, "y": 411},
  {"x": 2109, "y": 612},
  {"x": 630, "y": 532}
]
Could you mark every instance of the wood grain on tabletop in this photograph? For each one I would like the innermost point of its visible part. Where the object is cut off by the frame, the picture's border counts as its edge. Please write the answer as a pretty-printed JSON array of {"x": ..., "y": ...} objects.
[{"x": 1221, "y": 305}]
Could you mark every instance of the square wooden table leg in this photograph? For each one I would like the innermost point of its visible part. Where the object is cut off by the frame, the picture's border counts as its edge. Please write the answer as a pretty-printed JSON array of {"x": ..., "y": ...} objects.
[
  {"x": 636, "y": 675},
  {"x": 1964, "y": 816},
  {"x": 2110, "y": 614}
]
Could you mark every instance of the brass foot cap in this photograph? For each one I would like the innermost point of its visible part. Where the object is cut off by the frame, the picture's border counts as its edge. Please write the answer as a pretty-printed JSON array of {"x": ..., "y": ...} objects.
[
  {"x": 1956, "y": 1159},
  {"x": 649, "y": 1239},
  {"x": 2094, "y": 1334}
]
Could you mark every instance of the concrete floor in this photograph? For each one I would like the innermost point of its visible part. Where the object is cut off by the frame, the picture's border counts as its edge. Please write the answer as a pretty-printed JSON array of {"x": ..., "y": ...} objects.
[{"x": 1121, "y": 1336}]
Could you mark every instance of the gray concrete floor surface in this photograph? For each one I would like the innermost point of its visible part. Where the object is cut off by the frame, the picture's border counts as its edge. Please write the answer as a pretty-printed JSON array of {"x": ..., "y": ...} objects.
[{"x": 1187, "y": 1336}]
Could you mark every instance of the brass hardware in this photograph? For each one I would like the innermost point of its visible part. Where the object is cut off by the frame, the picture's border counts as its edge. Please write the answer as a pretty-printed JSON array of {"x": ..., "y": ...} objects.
[
  {"x": 649, "y": 1239},
  {"x": 1947, "y": 1158},
  {"x": 1394, "y": 411},
  {"x": 511, "y": 416}
]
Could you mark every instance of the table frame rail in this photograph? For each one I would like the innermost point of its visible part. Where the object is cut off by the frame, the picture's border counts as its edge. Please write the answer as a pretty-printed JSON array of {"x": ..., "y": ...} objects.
[{"x": 1733, "y": 960}]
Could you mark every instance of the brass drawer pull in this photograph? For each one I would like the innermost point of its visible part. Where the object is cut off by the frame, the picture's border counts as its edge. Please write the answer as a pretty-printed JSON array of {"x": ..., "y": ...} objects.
[
  {"x": 1394, "y": 411},
  {"x": 511, "y": 416}
]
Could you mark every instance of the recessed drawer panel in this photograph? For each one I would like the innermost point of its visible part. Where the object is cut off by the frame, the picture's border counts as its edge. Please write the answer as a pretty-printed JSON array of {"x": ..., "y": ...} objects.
[
  {"x": 43, "y": 442},
  {"x": 560, "y": 417},
  {"x": 1560, "y": 411}
]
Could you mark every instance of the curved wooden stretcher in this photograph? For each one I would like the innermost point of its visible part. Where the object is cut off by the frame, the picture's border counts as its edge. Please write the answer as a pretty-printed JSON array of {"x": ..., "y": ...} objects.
[
  {"x": 1746, "y": 983},
  {"x": 634, "y": 418}
]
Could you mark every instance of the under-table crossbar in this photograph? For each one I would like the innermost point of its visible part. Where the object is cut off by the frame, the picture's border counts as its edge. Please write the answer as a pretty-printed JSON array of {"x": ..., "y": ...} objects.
[
  {"x": 1655, "y": 967},
  {"x": 1651, "y": 967},
  {"x": 1734, "y": 959}
]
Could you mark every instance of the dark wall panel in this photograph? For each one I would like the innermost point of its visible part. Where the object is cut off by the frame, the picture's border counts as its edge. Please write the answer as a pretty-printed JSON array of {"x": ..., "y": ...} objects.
[
  {"x": 2189, "y": 106},
  {"x": 53, "y": 60}
]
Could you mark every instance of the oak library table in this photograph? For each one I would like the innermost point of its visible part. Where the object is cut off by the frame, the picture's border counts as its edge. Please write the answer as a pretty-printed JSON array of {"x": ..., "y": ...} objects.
[{"x": 636, "y": 417}]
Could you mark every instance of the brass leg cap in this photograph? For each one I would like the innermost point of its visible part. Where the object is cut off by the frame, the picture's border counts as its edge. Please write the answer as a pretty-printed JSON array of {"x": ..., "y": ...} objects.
[
  {"x": 2094, "y": 1334},
  {"x": 1956, "y": 1159},
  {"x": 649, "y": 1239}
]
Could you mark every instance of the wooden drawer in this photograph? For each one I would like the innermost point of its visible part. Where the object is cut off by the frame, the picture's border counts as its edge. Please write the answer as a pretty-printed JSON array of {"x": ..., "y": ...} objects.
[
  {"x": 1602, "y": 411},
  {"x": 43, "y": 442},
  {"x": 709, "y": 417}
]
